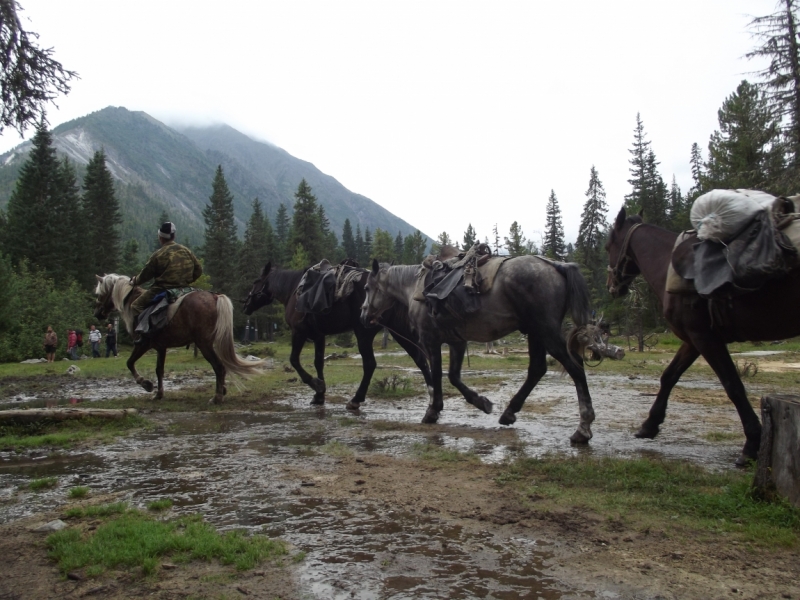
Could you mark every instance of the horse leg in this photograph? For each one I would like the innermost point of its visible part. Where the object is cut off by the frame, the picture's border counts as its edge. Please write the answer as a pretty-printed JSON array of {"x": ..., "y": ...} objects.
[
  {"x": 364, "y": 338},
  {"x": 718, "y": 358},
  {"x": 416, "y": 354},
  {"x": 161, "y": 357},
  {"x": 298, "y": 341},
  {"x": 437, "y": 404},
  {"x": 537, "y": 367},
  {"x": 318, "y": 382},
  {"x": 573, "y": 364},
  {"x": 454, "y": 375},
  {"x": 683, "y": 359},
  {"x": 138, "y": 352},
  {"x": 219, "y": 370}
]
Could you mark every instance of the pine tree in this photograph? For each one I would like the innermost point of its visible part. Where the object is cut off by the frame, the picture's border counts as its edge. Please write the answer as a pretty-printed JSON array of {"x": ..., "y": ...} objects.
[
  {"x": 40, "y": 223},
  {"x": 72, "y": 261},
  {"x": 745, "y": 152},
  {"x": 442, "y": 240},
  {"x": 398, "y": 248},
  {"x": 221, "y": 244},
  {"x": 361, "y": 256},
  {"x": 593, "y": 221},
  {"x": 367, "y": 246},
  {"x": 383, "y": 246},
  {"x": 414, "y": 246},
  {"x": 348, "y": 241},
  {"x": 306, "y": 226},
  {"x": 516, "y": 244},
  {"x": 470, "y": 237},
  {"x": 553, "y": 244},
  {"x": 102, "y": 218},
  {"x": 778, "y": 34},
  {"x": 329, "y": 239},
  {"x": 698, "y": 172},
  {"x": 649, "y": 192},
  {"x": 131, "y": 263},
  {"x": 678, "y": 209},
  {"x": 283, "y": 226},
  {"x": 257, "y": 249}
]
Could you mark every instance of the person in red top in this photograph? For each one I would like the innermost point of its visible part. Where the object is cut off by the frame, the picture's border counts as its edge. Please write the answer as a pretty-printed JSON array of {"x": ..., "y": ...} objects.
[{"x": 72, "y": 344}]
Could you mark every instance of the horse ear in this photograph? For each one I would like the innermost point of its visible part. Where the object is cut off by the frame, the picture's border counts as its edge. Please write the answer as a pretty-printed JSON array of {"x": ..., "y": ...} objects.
[
  {"x": 641, "y": 213},
  {"x": 375, "y": 266},
  {"x": 266, "y": 268},
  {"x": 620, "y": 218},
  {"x": 99, "y": 278}
]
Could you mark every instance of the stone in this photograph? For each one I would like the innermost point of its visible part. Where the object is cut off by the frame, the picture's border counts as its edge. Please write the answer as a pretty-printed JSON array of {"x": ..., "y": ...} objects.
[{"x": 56, "y": 525}]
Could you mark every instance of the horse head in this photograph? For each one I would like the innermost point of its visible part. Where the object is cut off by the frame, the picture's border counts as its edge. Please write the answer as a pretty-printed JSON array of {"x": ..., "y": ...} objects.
[
  {"x": 260, "y": 294},
  {"x": 376, "y": 300},
  {"x": 104, "y": 305},
  {"x": 622, "y": 268}
]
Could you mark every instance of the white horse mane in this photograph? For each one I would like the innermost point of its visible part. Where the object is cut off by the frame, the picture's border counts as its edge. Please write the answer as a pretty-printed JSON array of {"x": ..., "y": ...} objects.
[{"x": 119, "y": 286}]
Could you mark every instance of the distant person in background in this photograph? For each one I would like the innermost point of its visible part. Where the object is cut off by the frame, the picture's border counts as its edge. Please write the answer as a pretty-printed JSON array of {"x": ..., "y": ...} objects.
[
  {"x": 111, "y": 341},
  {"x": 72, "y": 344},
  {"x": 50, "y": 343},
  {"x": 94, "y": 339}
]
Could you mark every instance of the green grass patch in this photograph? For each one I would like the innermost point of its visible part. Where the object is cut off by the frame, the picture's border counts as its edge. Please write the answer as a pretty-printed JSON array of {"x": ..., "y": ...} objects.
[
  {"x": 438, "y": 454},
  {"x": 723, "y": 436},
  {"x": 46, "y": 483},
  {"x": 668, "y": 495},
  {"x": 79, "y": 491},
  {"x": 65, "y": 434},
  {"x": 134, "y": 539},
  {"x": 336, "y": 448},
  {"x": 96, "y": 511},
  {"x": 162, "y": 504}
]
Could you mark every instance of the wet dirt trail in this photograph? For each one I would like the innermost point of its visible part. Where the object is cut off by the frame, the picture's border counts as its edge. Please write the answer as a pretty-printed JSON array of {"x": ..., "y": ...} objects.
[{"x": 309, "y": 476}]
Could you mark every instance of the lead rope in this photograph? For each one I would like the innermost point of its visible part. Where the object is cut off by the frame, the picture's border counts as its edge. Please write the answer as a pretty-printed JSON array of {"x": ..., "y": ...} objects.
[{"x": 412, "y": 342}]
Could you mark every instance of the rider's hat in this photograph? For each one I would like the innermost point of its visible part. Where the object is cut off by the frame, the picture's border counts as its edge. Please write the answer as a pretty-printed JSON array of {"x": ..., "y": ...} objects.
[{"x": 167, "y": 230}]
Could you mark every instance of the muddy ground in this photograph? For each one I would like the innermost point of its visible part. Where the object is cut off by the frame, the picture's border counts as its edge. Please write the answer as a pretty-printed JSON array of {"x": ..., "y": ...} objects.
[{"x": 374, "y": 521}]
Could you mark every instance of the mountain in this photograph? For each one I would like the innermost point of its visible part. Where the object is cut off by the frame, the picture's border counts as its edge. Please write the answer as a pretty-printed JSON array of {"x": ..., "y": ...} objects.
[{"x": 161, "y": 169}]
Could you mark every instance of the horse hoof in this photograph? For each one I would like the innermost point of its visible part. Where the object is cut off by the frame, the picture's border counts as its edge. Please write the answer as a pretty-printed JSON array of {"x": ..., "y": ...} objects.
[
  {"x": 148, "y": 385},
  {"x": 317, "y": 385},
  {"x": 354, "y": 406},
  {"x": 216, "y": 400},
  {"x": 507, "y": 419},
  {"x": 159, "y": 396},
  {"x": 579, "y": 437},
  {"x": 317, "y": 400},
  {"x": 430, "y": 417},
  {"x": 647, "y": 433},
  {"x": 486, "y": 405},
  {"x": 224, "y": 390}
]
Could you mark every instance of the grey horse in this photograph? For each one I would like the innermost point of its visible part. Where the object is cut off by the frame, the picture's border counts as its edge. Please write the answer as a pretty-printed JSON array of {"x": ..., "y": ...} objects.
[{"x": 529, "y": 294}]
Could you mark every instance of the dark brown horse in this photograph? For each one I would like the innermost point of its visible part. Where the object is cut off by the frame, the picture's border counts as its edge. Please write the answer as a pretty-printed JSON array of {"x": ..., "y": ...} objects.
[
  {"x": 767, "y": 314},
  {"x": 201, "y": 317},
  {"x": 281, "y": 284}
]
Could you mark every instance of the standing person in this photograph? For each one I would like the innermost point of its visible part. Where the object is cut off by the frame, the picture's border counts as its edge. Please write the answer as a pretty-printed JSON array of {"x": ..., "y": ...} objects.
[
  {"x": 172, "y": 266},
  {"x": 72, "y": 344},
  {"x": 50, "y": 343},
  {"x": 111, "y": 340},
  {"x": 94, "y": 338}
]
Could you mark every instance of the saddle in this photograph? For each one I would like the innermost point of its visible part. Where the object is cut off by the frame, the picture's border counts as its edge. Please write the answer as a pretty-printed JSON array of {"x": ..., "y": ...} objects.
[
  {"x": 758, "y": 253},
  {"x": 156, "y": 315},
  {"x": 450, "y": 283},
  {"x": 324, "y": 284}
]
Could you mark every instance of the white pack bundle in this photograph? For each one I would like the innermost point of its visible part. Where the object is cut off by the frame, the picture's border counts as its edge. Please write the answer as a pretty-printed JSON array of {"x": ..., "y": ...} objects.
[{"x": 720, "y": 214}]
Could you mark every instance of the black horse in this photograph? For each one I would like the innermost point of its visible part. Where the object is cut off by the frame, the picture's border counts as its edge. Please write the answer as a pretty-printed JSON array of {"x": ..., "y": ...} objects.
[{"x": 281, "y": 284}]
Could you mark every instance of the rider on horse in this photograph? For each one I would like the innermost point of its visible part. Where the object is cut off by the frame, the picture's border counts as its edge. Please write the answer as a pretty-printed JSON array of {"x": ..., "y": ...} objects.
[{"x": 172, "y": 266}]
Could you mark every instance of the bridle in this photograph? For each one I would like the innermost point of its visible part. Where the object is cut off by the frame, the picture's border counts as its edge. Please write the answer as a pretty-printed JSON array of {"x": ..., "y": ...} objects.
[{"x": 618, "y": 277}]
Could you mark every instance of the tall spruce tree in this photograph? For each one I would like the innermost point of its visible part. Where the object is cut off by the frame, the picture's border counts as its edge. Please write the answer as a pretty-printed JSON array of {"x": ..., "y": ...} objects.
[
  {"x": 306, "y": 226},
  {"x": 649, "y": 193},
  {"x": 470, "y": 237},
  {"x": 257, "y": 249},
  {"x": 361, "y": 256},
  {"x": 398, "y": 248},
  {"x": 348, "y": 241},
  {"x": 383, "y": 246},
  {"x": 414, "y": 246},
  {"x": 443, "y": 240},
  {"x": 102, "y": 218},
  {"x": 220, "y": 249},
  {"x": 39, "y": 220},
  {"x": 515, "y": 243},
  {"x": 553, "y": 244},
  {"x": 283, "y": 230},
  {"x": 73, "y": 262},
  {"x": 697, "y": 165},
  {"x": 678, "y": 208},
  {"x": 593, "y": 221},
  {"x": 367, "y": 246},
  {"x": 779, "y": 43},
  {"x": 745, "y": 152}
]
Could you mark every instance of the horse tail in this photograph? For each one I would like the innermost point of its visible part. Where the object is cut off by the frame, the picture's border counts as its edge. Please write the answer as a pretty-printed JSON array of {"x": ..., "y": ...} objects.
[
  {"x": 578, "y": 303},
  {"x": 223, "y": 342}
]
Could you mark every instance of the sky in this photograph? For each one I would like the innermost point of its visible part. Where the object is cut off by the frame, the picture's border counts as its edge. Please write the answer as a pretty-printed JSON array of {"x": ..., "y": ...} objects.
[{"x": 445, "y": 113}]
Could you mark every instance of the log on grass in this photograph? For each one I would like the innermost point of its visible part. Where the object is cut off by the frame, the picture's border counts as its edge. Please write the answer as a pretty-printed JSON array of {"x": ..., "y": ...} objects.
[
  {"x": 608, "y": 350},
  {"x": 32, "y": 415},
  {"x": 778, "y": 470}
]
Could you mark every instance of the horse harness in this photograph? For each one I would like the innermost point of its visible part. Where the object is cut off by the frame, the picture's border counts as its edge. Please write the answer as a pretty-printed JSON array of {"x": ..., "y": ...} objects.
[{"x": 618, "y": 276}]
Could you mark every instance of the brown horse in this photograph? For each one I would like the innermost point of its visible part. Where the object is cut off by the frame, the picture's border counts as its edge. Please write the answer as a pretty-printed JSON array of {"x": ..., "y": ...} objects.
[
  {"x": 281, "y": 284},
  {"x": 767, "y": 314},
  {"x": 201, "y": 317}
]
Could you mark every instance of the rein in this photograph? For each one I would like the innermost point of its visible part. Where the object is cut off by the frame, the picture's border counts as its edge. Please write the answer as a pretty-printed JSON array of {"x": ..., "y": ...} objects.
[
  {"x": 617, "y": 273},
  {"x": 412, "y": 342}
]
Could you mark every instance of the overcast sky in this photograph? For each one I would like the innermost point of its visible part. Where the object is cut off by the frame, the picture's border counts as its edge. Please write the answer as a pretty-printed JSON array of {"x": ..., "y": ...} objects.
[{"x": 444, "y": 113}]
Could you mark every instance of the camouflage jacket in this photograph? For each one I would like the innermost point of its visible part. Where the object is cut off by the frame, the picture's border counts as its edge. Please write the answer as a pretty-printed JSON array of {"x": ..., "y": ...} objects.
[{"x": 171, "y": 266}]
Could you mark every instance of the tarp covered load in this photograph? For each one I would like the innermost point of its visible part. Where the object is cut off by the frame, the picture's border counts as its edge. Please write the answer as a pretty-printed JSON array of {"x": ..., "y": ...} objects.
[{"x": 721, "y": 214}]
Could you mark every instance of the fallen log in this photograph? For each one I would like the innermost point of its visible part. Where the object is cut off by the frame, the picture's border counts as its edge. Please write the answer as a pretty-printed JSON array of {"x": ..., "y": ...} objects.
[
  {"x": 608, "y": 350},
  {"x": 31, "y": 415}
]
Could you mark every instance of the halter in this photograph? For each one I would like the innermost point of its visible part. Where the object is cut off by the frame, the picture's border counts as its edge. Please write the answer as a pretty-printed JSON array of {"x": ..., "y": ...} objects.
[{"x": 617, "y": 275}]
